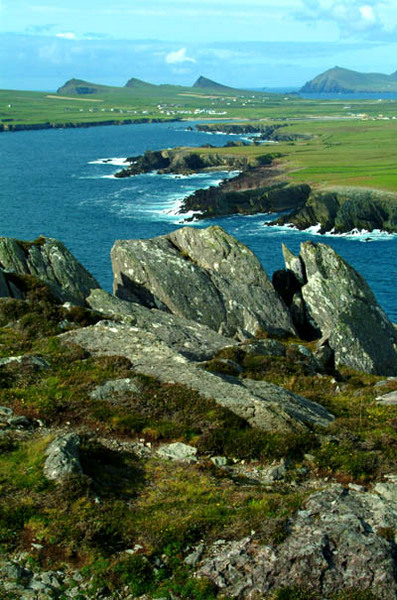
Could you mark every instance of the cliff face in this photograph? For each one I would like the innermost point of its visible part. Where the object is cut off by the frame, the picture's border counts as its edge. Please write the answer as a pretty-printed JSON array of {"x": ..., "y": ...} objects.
[
  {"x": 185, "y": 161},
  {"x": 345, "y": 210}
]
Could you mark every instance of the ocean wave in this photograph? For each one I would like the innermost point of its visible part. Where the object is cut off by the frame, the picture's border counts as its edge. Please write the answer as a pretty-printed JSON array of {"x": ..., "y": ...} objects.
[
  {"x": 361, "y": 235},
  {"x": 115, "y": 161}
]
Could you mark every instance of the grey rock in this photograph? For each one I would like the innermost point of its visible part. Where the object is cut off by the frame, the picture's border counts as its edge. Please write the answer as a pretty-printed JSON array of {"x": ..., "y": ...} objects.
[
  {"x": 325, "y": 355},
  {"x": 342, "y": 306},
  {"x": 262, "y": 404},
  {"x": 49, "y": 260},
  {"x": 275, "y": 472},
  {"x": 35, "y": 361},
  {"x": 388, "y": 399},
  {"x": 294, "y": 264},
  {"x": 387, "y": 491},
  {"x": 193, "y": 558},
  {"x": 194, "y": 340},
  {"x": 114, "y": 387},
  {"x": 20, "y": 422},
  {"x": 335, "y": 543},
  {"x": 6, "y": 413},
  {"x": 204, "y": 275},
  {"x": 219, "y": 461},
  {"x": 178, "y": 451},
  {"x": 62, "y": 457},
  {"x": 12, "y": 571}
]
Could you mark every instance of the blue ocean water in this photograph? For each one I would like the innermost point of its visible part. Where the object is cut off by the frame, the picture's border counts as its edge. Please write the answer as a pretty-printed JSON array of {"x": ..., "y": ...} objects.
[{"x": 56, "y": 183}]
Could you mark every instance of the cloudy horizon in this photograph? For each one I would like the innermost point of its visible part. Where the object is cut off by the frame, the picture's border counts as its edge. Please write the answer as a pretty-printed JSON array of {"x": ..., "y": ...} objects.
[{"x": 263, "y": 44}]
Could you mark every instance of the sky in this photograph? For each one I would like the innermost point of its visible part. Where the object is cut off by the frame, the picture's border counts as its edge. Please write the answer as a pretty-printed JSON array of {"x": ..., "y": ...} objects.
[{"x": 255, "y": 44}]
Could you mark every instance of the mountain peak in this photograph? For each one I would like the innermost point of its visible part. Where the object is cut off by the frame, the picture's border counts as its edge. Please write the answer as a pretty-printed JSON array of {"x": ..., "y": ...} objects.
[{"x": 204, "y": 82}]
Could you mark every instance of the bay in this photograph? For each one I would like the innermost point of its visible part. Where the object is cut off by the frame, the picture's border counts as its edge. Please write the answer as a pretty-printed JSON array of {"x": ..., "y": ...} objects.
[{"x": 57, "y": 183}]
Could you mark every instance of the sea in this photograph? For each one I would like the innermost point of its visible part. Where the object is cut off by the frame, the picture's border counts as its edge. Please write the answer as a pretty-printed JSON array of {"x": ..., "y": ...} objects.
[{"x": 60, "y": 183}]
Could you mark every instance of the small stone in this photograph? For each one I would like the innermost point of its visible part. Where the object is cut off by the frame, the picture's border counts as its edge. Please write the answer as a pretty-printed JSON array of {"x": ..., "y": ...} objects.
[
  {"x": 356, "y": 487},
  {"x": 62, "y": 457},
  {"x": 6, "y": 413},
  {"x": 388, "y": 399},
  {"x": 178, "y": 451},
  {"x": 219, "y": 461},
  {"x": 20, "y": 422}
]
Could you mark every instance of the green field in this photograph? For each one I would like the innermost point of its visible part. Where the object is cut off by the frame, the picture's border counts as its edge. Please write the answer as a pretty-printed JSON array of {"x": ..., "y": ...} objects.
[{"x": 352, "y": 142}]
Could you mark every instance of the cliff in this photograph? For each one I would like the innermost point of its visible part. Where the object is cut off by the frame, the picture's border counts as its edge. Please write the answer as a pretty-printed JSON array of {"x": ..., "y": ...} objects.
[{"x": 343, "y": 210}]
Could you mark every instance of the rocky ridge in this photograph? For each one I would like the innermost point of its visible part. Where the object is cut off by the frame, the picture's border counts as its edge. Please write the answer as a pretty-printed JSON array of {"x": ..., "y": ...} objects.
[{"x": 158, "y": 328}]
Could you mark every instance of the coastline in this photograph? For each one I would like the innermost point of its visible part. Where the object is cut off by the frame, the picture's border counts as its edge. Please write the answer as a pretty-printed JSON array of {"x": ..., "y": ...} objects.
[{"x": 11, "y": 128}]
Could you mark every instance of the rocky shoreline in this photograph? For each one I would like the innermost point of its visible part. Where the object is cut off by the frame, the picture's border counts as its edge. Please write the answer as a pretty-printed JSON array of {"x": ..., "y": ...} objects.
[
  {"x": 11, "y": 127},
  {"x": 263, "y": 187}
]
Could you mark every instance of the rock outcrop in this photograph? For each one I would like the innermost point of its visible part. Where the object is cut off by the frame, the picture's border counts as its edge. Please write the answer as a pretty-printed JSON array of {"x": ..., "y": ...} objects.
[
  {"x": 185, "y": 160},
  {"x": 48, "y": 260},
  {"x": 344, "y": 210},
  {"x": 337, "y": 303},
  {"x": 193, "y": 340},
  {"x": 338, "y": 542},
  {"x": 204, "y": 275},
  {"x": 264, "y": 405}
]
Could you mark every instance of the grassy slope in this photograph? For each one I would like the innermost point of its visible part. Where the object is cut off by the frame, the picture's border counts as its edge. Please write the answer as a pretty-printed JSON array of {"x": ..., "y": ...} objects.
[
  {"x": 355, "y": 153},
  {"x": 88, "y": 523}
]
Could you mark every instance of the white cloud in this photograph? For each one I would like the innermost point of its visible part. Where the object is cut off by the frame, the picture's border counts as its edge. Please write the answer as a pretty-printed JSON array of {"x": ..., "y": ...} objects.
[
  {"x": 67, "y": 36},
  {"x": 367, "y": 13},
  {"x": 345, "y": 13},
  {"x": 179, "y": 56}
]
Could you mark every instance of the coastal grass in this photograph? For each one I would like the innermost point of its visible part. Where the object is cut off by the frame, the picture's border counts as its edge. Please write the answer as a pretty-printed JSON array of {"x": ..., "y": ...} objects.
[{"x": 360, "y": 153}]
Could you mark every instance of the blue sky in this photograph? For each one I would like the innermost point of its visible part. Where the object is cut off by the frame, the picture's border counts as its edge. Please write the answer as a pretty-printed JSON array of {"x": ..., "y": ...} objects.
[{"x": 256, "y": 44}]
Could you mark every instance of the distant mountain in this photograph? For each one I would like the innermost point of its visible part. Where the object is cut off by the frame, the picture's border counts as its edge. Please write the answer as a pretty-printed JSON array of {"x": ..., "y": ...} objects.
[
  {"x": 204, "y": 83},
  {"x": 139, "y": 84},
  {"x": 75, "y": 87},
  {"x": 345, "y": 81}
]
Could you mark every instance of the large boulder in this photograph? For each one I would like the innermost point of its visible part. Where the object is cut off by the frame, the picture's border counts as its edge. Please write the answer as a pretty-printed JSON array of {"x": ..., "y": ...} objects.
[
  {"x": 263, "y": 405},
  {"x": 204, "y": 275},
  {"x": 342, "y": 540},
  {"x": 338, "y": 302},
  {"x": 50, "y": 261}
]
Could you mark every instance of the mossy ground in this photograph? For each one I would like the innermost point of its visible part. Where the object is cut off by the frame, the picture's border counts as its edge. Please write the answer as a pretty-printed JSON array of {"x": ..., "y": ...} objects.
[{"x": 91, "y": 520}]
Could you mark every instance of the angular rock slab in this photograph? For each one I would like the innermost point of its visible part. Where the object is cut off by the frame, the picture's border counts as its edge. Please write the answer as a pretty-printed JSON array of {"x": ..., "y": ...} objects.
[
  {"x": 204, "y": 275},
  {"x": 193, "y": 340},
  {"x": 50, "y": 261},
  {"x": 340, "y": 303},
  {"x": 336, "y": 543},
  {"x": 264, "y": 405}
]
